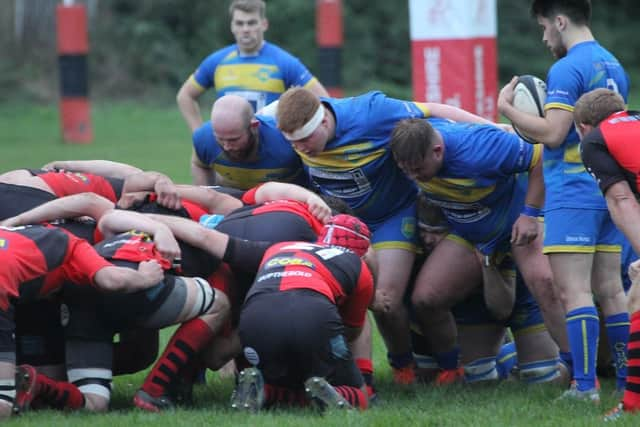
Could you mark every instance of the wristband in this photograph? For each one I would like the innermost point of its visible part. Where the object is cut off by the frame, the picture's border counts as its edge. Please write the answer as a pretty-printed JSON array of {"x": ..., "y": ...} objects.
[{"x": 531, "y": 211}]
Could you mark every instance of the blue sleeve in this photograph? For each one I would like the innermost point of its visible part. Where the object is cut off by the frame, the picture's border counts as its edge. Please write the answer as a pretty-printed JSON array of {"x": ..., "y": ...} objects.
[
  {"x": 563, "y": 86},
  {"x": 391, "y": 109},
  {"x": 294, "y": 71},
  {"x": 379, "y": 114},
  {"x": 502, "y": 154},
  {"x": 205, "y": 145},
  {"x": 205, "y": 71}
]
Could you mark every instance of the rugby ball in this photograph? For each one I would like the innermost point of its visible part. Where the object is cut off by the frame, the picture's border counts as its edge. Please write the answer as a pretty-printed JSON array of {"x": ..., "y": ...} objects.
[{"x": 529, "y": 96}]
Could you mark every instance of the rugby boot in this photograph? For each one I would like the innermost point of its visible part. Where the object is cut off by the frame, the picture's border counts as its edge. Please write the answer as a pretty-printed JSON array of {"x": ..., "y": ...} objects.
[
  {"x": 449, "y": 376},
  {"x": 146, "y": 402},
  {"x": 591, "y": 395},
  {"x": 323, "y": 395},
  {"x": 619, "y": 413},
  {"x": 26, "y": 387},
  {"x": 405, "y": 375},
  {"x": 249, "y": 392}
]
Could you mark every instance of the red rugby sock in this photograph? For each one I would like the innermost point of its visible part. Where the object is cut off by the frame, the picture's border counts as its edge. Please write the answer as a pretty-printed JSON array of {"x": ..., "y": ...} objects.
[
  {"x": 185, "y": 344},
  {"x": 631, "y": 399}
]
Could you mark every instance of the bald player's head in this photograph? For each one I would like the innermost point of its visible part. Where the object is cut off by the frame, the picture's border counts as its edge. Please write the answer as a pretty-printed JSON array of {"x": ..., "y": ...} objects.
[
  {"x": 232, "y": 108},
  {"x": 234, "y": 126}
]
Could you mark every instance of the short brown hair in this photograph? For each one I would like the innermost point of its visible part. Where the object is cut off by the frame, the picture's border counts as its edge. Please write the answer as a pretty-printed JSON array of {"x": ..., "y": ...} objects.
[
  {"x": 295, "y": 108},
  {"x": 248, "y": 6},
  {"x": 411, "y": 140},
  {"x": 595, "y": 106},
  {"x": 579, "y": 11},
  {"x": 429, "y": 213}
]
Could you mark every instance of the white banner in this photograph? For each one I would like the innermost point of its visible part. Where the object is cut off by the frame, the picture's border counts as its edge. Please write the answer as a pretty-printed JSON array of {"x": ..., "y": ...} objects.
[{"x": 452, "y": 19}]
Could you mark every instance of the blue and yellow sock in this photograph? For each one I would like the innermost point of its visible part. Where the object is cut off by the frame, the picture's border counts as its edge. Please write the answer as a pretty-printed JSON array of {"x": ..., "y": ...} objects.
[
  {"x": 506, "y": 359},
  {"x": 583, "y": 329}
]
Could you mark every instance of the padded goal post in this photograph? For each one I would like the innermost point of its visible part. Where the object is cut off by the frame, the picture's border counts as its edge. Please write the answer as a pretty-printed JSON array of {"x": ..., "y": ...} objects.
[{"x": 72, "y": 47}]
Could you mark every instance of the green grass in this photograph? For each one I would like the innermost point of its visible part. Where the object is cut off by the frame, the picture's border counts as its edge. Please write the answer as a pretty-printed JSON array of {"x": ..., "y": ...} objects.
[{"x": 158, "y": 139}]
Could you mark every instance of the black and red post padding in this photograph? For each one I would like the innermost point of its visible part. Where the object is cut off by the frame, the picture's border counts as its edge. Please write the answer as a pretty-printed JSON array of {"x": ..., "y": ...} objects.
[
  {"x": 73, "y": 46},
  {"x": 329, "y": 37}
]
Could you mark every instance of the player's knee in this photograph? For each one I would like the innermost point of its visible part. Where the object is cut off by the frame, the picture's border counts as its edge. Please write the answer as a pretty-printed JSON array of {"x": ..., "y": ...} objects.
[
  {"x": 386, "y": 302},
  {"x": 479, "y": 370},
  {"x": 6, "y": 408},
  {"x": 425, "y": 299},
  {"x": 540, "y": 371},
  {"x": 221, "y": 305}
]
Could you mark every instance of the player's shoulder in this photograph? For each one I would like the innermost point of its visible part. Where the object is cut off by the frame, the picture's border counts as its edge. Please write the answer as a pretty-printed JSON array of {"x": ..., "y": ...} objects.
[
  {"x": 276, "y": 51},
  {"x": 203, "y": 132},
  {"x": 225, "y": 53}
]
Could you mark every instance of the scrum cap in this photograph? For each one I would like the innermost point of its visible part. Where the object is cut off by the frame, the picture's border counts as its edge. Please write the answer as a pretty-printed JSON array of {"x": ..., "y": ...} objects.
[{"x": 346, "y": 231}]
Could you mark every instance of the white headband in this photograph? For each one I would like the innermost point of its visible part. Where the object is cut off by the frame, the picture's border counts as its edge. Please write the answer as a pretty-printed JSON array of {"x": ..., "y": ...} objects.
[
  {"x": 432, "y": 228},
  {"x": 308, "y": 127}
]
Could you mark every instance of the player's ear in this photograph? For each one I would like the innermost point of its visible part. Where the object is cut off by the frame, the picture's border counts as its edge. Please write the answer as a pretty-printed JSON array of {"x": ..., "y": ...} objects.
[
  {"x": 560, "y": 22},
  {"x": 438, "y": 150},
  {"x": 265, "y": 24},
  {"x": 582, "y": 129}
]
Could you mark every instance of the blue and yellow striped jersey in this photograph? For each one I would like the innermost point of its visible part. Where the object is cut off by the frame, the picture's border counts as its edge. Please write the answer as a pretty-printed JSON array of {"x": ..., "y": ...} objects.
[
  {"x": 357, "y": 165},
  {"x": 586, "y": 66},
  {"x": 477, "y": 184},
  {"x": 276, "y": 159},
  {"x": 261, "y": 79}
]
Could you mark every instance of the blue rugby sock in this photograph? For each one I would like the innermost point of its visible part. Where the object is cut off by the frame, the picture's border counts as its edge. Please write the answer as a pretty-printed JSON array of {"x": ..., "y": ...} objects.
[
  {"x": 618, "y": 333},
  {"x": 400, "y": 360},
  {"x": 506, "y": 359},
  {"x": 449, "y": 359},
  {"x": 583, "y": 329}
]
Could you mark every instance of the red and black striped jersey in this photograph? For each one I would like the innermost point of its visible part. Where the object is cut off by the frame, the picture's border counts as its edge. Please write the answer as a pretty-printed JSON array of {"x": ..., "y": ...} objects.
[
  {"x": 335, "y": 272},
  {"x": 36, "y": 260},
  {"x": 65, "y": 183},
  {"x": 611, "y": 152},
  {"x": 133, "y": 247}
]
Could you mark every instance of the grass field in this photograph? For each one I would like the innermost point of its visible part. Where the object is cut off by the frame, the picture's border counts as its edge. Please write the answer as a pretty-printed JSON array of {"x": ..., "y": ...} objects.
[{"x": 158, "y": 139}]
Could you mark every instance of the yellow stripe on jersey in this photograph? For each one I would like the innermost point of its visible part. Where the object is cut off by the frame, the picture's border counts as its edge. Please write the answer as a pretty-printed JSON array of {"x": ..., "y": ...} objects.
[
  {"x": 231, "y": 55},
  {"x": 343, "y": 158},
  {"x": 310, "y": 82},
  {"x": 559, "y": 106},
  {"x": 195, "y": 83},
  {"x": 576, "y": 169},
  {"x": 256, "y": 76},
  {"x": 423, "y": 107},
  {"x": 245, "y": 178},
  {"x": 3, "y": 243},
  {"x": 537, "y": 155},
  {"x": 572, "y": 154},
  {"x": 456, "y": 189}
]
